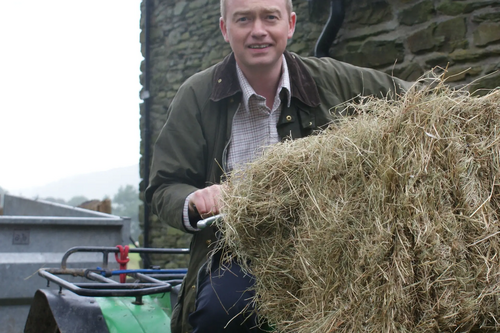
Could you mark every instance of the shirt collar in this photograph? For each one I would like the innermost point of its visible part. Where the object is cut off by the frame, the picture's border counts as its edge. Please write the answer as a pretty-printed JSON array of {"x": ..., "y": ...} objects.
[
  {"x": 303, "y": 86},
  {"x": 248, "y": 90}
]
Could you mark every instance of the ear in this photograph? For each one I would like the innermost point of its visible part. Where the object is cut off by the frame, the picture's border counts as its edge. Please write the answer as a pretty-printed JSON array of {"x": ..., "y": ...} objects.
[
  {"x": 291, "y": 24},
  {"x": 223, "y": 29}
]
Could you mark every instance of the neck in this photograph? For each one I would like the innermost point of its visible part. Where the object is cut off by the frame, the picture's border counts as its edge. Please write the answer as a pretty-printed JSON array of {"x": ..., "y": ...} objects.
[{"x": 265, "y": 83}]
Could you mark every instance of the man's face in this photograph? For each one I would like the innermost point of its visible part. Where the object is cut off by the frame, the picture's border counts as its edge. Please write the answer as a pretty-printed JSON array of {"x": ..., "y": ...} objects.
[{"x": 257, "y": 31}]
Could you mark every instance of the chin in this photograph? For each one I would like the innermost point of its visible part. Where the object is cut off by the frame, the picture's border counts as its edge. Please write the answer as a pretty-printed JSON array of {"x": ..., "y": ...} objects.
[{"x": 264, "y": 60}]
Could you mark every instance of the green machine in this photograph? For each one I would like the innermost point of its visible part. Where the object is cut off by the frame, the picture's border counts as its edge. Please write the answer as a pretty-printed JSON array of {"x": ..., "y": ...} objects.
[{"x": 92, "y": 300}]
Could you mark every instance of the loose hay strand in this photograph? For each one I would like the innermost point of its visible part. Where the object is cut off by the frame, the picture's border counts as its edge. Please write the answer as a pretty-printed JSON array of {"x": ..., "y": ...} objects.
[{"x": 384, "y": 222}]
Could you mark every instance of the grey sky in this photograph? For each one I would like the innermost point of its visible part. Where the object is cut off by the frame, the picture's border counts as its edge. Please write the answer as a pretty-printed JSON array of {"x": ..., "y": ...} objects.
[{"x": 69, "y": 87}]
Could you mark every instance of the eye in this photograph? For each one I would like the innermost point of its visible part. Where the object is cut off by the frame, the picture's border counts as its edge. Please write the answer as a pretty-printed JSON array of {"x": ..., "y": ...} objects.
[
  {"x": 242, "y": 19},
  {"x": 272, "y": 17}
]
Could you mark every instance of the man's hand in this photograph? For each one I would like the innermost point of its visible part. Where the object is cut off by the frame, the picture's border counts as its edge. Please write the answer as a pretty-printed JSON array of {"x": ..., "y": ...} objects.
[{"x": 206, "y": 202}]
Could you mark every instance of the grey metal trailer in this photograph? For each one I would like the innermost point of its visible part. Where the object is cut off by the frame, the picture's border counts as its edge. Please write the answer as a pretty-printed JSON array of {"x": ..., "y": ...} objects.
[{"x": 36, "y": 234}]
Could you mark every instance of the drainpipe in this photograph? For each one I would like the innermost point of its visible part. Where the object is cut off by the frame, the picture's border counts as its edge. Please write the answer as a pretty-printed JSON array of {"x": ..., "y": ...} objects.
[
  {"x": 146, "y": 97},
  {"x": 332, "y": 27}
]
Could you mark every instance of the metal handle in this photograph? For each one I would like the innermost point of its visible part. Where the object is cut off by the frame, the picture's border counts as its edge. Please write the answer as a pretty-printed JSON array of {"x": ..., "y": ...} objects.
[{"x": 202, "y": 224}]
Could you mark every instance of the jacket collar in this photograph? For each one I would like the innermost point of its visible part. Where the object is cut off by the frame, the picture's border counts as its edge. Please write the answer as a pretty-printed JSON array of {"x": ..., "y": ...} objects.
[{"x": 226, "y": 84}]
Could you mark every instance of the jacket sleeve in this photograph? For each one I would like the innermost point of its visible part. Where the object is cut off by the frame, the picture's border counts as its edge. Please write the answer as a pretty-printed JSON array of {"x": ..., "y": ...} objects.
[
  {"x": 346, "y": 81},
  {"x": 178, "y": 164}
]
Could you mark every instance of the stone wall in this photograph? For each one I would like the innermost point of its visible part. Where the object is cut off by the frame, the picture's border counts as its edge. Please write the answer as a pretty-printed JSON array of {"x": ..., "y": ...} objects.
[
  {"x": 407, "y": 38},
  {"x": 401, "y": 37}
]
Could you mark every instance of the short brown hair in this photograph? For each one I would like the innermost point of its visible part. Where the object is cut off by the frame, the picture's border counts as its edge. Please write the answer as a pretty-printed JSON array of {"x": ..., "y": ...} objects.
[{"x": 289, "y": 8}]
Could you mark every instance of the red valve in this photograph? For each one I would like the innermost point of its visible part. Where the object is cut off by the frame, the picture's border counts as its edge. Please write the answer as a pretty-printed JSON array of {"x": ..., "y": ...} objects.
[{"x": 122, "y": 260}]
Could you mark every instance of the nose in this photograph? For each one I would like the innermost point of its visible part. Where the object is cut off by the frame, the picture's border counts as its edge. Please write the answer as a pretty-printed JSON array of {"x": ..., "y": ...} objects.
[{"x": 258, "y": 29}]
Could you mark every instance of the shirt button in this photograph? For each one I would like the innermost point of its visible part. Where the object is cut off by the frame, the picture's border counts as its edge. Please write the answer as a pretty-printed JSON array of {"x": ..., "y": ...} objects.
[
  {"x": 193, "y": 287},
  {"x": 208, "y": 242},
  {"x": 289, "y": 118},
  {"x": 219, "y": 80},
  {"x": 310, "y": 123}
]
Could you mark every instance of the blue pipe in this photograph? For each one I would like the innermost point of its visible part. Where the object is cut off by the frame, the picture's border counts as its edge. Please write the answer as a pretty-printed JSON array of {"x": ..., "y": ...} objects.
[{"x": 144, "y": 271}]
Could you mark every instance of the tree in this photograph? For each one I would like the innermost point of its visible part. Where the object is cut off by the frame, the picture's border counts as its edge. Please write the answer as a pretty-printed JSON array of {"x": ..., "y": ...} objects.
[
  {"x": 77, "y": 200},
  {"x": 55, "y": 200},
  {"x": 126, "y": 203}
]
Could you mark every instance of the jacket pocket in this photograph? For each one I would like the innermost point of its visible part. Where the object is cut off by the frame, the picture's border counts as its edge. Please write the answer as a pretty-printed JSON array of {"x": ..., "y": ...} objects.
[{"x": 307, "y": 120}]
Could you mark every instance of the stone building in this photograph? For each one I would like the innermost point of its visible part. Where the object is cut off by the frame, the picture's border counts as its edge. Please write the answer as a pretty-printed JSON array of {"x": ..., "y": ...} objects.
[{"x": 401, "y": 37}]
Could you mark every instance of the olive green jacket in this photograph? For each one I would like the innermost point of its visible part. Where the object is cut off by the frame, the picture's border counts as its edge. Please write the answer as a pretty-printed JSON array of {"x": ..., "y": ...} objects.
[{"x": 189, "y": 151}]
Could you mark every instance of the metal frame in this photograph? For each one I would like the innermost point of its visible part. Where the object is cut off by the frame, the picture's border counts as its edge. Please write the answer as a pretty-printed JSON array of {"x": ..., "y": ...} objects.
[{"x": 150, "y": 281}]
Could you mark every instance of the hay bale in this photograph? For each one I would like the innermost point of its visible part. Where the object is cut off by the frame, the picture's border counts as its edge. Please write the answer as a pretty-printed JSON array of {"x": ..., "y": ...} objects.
[{"x": 386, "y": 222}]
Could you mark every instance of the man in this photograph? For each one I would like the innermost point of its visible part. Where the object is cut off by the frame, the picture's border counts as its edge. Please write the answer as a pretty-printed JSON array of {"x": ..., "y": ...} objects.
[{"x": 220, "y": 119}]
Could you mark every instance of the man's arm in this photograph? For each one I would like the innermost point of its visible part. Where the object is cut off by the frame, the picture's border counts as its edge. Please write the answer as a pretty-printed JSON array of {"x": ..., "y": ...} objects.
[
  {"x": 348, "y": 81},
  {"x": 179, "y": 159}
]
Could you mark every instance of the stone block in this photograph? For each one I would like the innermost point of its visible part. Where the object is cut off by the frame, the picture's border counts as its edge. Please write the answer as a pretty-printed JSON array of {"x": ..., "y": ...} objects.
[
  {"x": 377, "y": 53},
  {"x": 155, "y": 233},
  {"x": 493, "y": 15},
  {"x": 372, "y": 53},
  {"x": 484, "y": 85},
  {"x": 156, "y": 34},
  {"x": 184, "y": 45},
  {"x": 370, "y": 13},
  {"x": 317, "y": 10},
  {"x": 422, "y": 40},
  {"x": 418, "y": 13},
  {"x": 486, "y": 33},
  {"x": 196, "y": 4},
  {"x": 467, "y": 55},
  {"x": 298, "y": 47},
  {"x": 176, "y": 262},
  {"x": 158, "y": 80},
  {"x": 214, "y": 55},
  {"x": 175, "y": 77},
  {"x": 449, "y": 32},
  {"x": 490, "y": 68},
  {"x": 478, "y": 4},
  {"x": 438, "y": 60},
  {"x": 460, "y": 73},
  {"x": 174, "y": 36},
  {"x": 364, "y": 33},
  {"x": 459, "y": 44},
  {"x": 452, "y": 8},
  {"x": 180, "y": 7},
  {"x": 347, "y": 51},
  {"x": 409, "y": 72},
  {"x": 183, "y": 242}
]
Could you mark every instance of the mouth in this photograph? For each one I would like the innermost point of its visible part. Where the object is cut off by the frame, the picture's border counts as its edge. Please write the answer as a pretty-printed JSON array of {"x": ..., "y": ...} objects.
[{"x": 259, "y": 46}]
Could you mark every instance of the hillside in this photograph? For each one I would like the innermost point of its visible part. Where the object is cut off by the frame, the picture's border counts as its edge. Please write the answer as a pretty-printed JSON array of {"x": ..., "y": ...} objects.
[{"x": 97, "y": 185}]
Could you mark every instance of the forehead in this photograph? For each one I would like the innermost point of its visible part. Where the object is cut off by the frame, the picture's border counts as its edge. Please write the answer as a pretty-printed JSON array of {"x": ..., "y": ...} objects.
[{"x": 252, "y": 5}]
